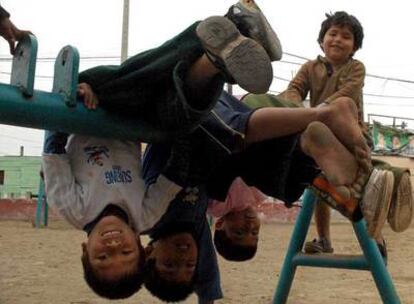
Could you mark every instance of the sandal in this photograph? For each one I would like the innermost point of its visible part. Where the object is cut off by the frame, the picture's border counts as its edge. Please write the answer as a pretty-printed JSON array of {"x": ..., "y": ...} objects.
[
  {"x": 347, "y": 206},
  {"x": 373, "y": 205}
]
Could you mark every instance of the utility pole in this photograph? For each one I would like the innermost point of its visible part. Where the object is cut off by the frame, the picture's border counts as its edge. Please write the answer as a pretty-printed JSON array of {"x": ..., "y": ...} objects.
[{"x": 125, "y": 31}]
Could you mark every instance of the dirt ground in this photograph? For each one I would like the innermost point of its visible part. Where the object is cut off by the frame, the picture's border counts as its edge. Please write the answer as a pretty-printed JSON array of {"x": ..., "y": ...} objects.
[{"x": 43, "y": 266}]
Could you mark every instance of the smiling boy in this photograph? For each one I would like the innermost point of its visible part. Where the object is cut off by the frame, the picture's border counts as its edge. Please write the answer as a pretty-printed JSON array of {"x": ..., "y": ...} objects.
[
  {"x": 237, "y": 227},
  {"x": 335, "y": 76},
  {"x": 181, "y": 256},
  {"x": 95, "y": 184}
]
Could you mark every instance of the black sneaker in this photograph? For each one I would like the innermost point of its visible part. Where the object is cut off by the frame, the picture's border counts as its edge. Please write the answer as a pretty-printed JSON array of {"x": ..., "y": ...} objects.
[
  {"x": 237, "y": 56},
  {"x": 251, "y": 22}
]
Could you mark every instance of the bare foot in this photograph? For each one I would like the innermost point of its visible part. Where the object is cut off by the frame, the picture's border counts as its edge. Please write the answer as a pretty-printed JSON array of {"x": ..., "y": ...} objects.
[
  {"x": 341, "y": 116},
  {"x": 363, "y": 159},
  {"x": 338, "y": 164}
]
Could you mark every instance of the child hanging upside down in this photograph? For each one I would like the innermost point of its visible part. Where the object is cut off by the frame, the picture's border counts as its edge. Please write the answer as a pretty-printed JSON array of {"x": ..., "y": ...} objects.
[
  {"x": 96, "y": 183},
  {"x": 237, "y": 225}
]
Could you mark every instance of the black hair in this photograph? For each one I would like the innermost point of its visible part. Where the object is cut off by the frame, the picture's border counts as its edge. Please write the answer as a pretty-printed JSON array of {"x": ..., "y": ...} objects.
[
  {"x": 162, "y": 231},
  {"x": 121, "y": 288},
  {"x": 230, "y": 251},
  {"x": 343, "y": 19},
  {"x": 163, "y": 289}
]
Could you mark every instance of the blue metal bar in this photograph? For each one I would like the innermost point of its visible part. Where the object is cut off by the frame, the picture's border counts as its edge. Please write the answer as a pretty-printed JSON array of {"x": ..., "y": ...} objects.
[
  {"x": 378, "y": 268},
  {"x": 65, "y": 79},
  {"x": 48, "y": 111},
  {"x": 296, "y": 243},
  {"x": 24, "y": 65},
  {"x": 371, "y": 260},
  {"x": 357, "y": 262}
]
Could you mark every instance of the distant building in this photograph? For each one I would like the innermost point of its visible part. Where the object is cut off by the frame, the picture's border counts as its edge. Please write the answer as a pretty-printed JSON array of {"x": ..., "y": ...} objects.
[{"x": 19, "y": 176}]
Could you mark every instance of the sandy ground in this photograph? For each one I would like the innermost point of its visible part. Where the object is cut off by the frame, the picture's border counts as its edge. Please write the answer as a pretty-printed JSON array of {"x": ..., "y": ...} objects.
[{"x": 43, "y": 266}]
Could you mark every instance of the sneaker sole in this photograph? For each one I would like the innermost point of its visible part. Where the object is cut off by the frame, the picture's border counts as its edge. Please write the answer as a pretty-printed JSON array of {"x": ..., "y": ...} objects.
[
  {"x": 245, "y": 60},
  {"x": 376, "y": 200},
  {"x": 401, "y": 209},
  {"x": 264, "y": 34}
]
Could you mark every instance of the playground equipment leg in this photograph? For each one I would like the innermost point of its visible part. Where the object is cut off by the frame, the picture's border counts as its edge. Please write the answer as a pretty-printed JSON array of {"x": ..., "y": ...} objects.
[
  {"x": 41, "y": 208},
  {"x": 370, "y": 260}
]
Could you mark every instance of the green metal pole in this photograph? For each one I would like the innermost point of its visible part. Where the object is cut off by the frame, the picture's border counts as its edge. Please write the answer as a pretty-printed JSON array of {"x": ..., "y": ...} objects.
[
  {"x": 378, "y": 268},
  {"x": 300, "y": 230}
]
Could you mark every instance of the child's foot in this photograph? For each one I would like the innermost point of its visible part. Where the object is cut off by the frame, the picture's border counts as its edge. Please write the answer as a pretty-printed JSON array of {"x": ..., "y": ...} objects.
[
  {"x": 241, "y": 58},
  {"x": 251, "y": 22},
  {"x": 363, "y": 159},
  {"x": 337, "y": 163},
  {"x": 339, "y": 198},
  {"x": 341, "y": 117}
]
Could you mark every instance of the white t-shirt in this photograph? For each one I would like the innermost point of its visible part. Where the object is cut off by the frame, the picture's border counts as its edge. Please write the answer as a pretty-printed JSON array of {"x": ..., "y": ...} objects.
[{"x": 96, "y": 172}]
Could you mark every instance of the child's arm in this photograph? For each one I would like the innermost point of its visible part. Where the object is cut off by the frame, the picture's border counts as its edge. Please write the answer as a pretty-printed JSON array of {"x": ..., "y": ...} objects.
[
  {"x": 156, "y": 200},
  {"x": 160, "y": 191},
  {"x": 352, "y": 85},
  {"x": 298, "y": 87},
  {"x": 208, "y": 284},
  {"x": 90, "y": 99},
  {"x": 62, "y": 191},
  {"x": 55, "y": 142}
]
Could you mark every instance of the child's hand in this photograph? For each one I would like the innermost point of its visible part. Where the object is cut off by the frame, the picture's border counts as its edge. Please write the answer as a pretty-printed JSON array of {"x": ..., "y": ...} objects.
[{"x": 89, "y": 98}]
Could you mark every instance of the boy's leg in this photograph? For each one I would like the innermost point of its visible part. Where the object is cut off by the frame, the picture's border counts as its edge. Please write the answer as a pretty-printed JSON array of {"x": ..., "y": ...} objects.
[
  {"x": 337, "y": 163},
  {"x": 322, "y": 221},
  {"x": 268, "y": 122},
  {"x": 340, "y": 117},
  {"x": 271, "y": 123},
  {"x": 340, "y": 168},
  {"x": 155, "y": 86}
]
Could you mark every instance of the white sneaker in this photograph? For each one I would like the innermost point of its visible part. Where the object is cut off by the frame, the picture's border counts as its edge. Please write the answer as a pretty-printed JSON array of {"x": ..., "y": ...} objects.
[{"x": 376, "y": 200}]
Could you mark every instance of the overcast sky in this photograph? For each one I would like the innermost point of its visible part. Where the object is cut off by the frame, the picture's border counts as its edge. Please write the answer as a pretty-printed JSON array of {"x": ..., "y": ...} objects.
[{"x": 94, "y": 27}]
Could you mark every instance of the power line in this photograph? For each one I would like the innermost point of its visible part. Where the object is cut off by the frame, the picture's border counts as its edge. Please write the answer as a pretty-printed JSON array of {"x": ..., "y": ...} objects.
[
  {"x": 368, "y": 75},
  {"x": 290, "y": 62},
  {"x": 9, "y": 59},
  {"x": 389, "y": 96},
  {"x": 296, "y": 56},
  {"x": 275, "y": 77},
  {"x": 390, "y": 78},
  {"x": 107, "y": 57},
  {"x": 365, "y": 94}
]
